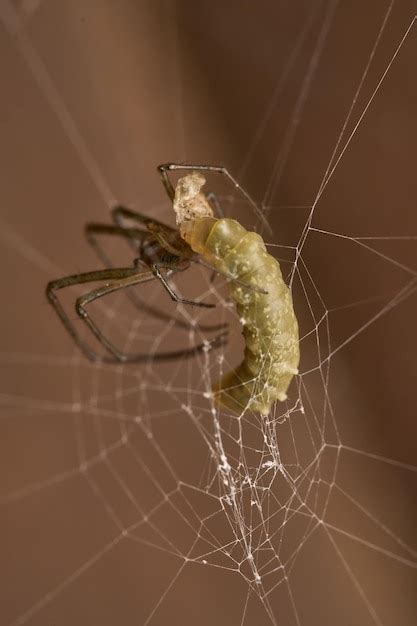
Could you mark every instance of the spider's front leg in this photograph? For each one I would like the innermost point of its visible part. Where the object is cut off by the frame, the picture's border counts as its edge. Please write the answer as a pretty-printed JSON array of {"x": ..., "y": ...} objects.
[{"x": 218, "y": 169}]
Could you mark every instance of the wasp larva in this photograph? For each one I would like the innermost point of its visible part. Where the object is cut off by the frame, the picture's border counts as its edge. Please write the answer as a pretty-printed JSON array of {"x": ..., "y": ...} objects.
[{"x": 263, "y": 301}]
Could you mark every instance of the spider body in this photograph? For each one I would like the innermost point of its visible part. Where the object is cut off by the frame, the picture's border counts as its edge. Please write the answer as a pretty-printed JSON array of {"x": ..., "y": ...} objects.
[
  {"x": 164, "y": 244},
  {"x": 262, "y": 299}
]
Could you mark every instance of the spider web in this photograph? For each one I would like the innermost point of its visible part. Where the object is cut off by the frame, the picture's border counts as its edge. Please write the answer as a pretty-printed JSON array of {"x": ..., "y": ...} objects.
[{"x": 127, "y": 479}]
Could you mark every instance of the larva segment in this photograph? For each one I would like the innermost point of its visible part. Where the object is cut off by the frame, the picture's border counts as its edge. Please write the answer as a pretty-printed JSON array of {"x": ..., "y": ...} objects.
[{"x": 270, "y": 327}]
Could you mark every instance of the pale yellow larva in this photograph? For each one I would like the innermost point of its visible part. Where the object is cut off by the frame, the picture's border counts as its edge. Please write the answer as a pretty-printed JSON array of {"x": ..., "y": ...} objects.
[{"x": 263, "y": 301}]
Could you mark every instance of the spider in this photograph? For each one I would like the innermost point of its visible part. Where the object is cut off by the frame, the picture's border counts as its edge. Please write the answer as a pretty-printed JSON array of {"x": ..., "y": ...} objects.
[{"x": 159, "y": 251}]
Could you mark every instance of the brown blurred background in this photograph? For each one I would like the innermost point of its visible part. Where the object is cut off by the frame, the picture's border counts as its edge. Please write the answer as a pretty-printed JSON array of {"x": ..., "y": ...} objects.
[{"x": 95, "y": 94}]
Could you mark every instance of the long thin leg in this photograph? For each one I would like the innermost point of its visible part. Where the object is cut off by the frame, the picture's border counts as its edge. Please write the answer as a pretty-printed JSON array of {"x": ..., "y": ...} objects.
[
  {"x": 105, "y": 290},
  {"x": 134, "y": 237},
  {"x": 157, "y": 272},
  {"x": 78, "y": 279},
  {"x": 121, "y": 278},
  {"x": 163, "y": 169},
  {"x": 120, "y": 212}
]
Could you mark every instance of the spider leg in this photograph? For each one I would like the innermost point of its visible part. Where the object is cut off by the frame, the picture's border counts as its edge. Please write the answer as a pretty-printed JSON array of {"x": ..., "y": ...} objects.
[
  {"x": 134, "y": 237},
  {"x": 137, "y": 237},
  {"x": 78, "y": 279},
  {"x": 120, "y": 212},
  {"x": 158, "y": 274},
  {"x": 165, "y": 168},
  {"x": 120, "y": 278}
]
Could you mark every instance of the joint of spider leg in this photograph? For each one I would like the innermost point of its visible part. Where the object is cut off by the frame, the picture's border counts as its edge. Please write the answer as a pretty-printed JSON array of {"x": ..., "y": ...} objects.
[
  {"x": 166, "y": 167},
  {"x": 80, "y": 308},
  {"x": 50, "y": 292}
]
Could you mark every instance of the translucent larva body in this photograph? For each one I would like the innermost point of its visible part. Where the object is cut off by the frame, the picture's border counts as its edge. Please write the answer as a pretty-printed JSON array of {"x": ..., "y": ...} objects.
[{"x": 263, "y": 302}]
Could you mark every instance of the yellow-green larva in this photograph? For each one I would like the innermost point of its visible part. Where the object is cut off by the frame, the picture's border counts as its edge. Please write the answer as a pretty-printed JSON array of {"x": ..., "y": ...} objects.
[{"x": 263, "y": 301}]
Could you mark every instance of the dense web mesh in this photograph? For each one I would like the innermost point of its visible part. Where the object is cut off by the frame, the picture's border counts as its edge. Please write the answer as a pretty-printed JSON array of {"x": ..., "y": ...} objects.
[{"x": 263, "y": 498}]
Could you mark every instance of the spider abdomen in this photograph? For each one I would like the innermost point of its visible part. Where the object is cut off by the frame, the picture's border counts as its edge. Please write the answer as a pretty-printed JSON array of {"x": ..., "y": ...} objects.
[{"x": 265, "y": 309}]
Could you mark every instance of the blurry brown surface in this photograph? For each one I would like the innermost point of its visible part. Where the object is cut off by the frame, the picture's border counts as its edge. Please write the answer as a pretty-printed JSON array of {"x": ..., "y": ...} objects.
[{"x": 95, "y": 94}]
